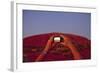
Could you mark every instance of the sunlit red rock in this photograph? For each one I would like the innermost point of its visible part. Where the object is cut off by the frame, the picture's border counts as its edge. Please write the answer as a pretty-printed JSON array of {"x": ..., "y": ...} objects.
[{"x": 34, "y": 45}]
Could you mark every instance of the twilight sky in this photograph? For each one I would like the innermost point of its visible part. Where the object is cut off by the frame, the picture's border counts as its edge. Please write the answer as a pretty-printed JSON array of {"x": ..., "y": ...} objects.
[{"x": 38, "y": 22}]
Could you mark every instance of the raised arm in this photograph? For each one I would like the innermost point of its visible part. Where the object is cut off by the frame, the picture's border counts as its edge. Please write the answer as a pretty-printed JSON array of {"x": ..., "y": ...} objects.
[
  {"x": 68, "y": 43},
  {"x": 47, "y": 47}
]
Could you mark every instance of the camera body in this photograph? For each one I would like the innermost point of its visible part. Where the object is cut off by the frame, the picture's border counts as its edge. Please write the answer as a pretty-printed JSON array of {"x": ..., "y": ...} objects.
[{"x": 58, "y": 39}]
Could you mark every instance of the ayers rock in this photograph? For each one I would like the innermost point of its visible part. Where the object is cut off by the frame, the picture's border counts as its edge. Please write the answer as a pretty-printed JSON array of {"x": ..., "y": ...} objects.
[{"x": 34, "y": 45}]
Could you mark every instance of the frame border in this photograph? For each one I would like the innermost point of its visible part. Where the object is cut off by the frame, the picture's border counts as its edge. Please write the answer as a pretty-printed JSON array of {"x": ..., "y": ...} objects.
[{"x": 14, "y": 31}]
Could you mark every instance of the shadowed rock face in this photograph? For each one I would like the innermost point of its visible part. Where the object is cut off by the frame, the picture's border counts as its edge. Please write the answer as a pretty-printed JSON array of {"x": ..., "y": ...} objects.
[{"x": 34, "y": 45}]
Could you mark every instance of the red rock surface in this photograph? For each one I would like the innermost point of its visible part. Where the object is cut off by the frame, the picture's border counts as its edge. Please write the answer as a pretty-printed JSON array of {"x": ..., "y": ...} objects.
[{"x": 34, "y": 45}]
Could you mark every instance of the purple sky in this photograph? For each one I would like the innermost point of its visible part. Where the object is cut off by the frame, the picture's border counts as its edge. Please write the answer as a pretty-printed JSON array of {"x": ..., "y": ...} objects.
[{"x": 37, "y": 22}]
